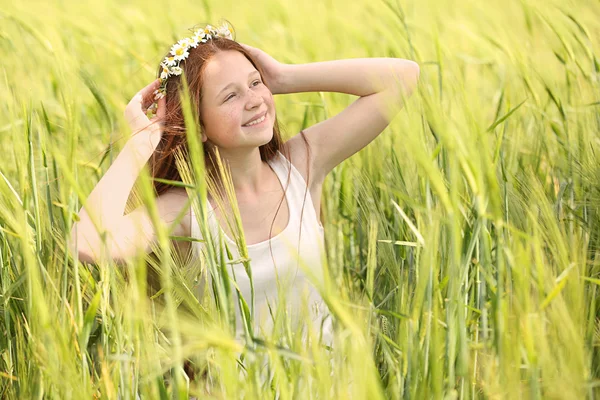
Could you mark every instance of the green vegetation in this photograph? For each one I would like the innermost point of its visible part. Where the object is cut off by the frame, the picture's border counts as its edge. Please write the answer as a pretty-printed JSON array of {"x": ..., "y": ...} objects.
[{"x": 463, "y": 243}]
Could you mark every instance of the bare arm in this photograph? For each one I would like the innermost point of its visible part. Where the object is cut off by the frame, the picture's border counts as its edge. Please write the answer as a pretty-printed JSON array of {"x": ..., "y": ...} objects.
[
  {"x": 104, "y": 208},
  {"x": 356, "y": 76},
  {"x": 383, "y": 85}
]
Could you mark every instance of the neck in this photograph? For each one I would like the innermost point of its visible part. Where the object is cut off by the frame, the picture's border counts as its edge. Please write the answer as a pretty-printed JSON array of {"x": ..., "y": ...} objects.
[{"x": 248, "y": 171}]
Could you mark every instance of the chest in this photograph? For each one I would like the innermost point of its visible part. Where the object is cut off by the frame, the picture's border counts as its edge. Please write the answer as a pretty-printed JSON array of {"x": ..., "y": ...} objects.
[{"x": 262, "y": 217}]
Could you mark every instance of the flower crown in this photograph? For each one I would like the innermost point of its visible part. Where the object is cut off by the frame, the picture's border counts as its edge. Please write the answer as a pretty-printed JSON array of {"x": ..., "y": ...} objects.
[{"x": 180, "y": 51}]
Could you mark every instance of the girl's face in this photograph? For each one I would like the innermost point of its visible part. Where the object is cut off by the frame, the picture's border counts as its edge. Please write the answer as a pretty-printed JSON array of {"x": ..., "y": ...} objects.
[{"x": 233, "y": 93}]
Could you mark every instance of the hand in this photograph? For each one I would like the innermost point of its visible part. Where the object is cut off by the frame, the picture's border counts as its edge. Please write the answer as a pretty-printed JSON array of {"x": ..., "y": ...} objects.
[
  {"x": 135, "y": 112},
  {"x": 272, "y": 69}
]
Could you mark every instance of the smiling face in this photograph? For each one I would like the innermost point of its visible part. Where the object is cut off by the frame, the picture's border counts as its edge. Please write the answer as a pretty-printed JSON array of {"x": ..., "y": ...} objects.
[{"x": 233, "y": 93}]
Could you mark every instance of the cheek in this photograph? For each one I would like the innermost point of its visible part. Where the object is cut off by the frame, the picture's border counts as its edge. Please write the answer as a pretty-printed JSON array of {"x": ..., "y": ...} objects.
[
  {"x": 233, "y": 116},
  {"x": 223, "y": 120},
  {"x": 268, "y": 95},
  {"x": 225, "y": 124},
  {"x": 269, "y": 100}
]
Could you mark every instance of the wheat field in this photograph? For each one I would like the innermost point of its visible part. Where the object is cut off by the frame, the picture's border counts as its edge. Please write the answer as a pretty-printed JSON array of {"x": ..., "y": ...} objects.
[{"x": 462, "y": 243}]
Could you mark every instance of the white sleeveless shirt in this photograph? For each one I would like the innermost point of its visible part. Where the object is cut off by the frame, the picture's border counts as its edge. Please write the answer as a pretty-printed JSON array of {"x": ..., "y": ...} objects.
[{"x": 301, "y": 241}]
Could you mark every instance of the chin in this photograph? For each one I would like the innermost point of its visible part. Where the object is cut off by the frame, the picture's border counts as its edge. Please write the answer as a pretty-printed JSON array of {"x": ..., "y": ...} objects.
[
  {"x": 267, "y": 137},
  {"x": 261, "y": 136}
]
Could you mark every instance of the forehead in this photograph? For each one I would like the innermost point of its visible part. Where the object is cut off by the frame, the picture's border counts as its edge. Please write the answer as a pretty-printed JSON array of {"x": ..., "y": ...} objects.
[{"x": 226, "y": 67}]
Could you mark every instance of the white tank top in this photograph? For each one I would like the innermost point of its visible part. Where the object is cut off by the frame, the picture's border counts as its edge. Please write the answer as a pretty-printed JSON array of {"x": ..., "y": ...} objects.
[{"x": 280, "y": 262}]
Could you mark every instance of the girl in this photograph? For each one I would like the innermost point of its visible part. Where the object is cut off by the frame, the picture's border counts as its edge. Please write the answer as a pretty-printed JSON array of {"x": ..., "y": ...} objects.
[{"x": 277, "y": 184}]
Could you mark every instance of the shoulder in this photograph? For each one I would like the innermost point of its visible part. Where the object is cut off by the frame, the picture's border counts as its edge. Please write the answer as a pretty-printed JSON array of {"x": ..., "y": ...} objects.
[
  {"x": 170, "y": 206},
  {"x": 302, "y": 157}
]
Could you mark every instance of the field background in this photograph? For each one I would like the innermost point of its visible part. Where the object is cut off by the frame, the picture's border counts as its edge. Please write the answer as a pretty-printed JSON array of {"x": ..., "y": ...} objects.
[{"x": 462, "y": 243}]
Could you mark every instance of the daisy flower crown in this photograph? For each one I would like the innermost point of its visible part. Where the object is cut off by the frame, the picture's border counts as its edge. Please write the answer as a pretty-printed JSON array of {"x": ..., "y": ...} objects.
[{"x": 170, "y": 66}]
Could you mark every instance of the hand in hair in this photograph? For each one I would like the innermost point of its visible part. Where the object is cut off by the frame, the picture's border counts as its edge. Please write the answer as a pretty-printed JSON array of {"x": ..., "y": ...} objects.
[
  {"x": 271, "y": 68},
  {"x": 135, "y": 112}
]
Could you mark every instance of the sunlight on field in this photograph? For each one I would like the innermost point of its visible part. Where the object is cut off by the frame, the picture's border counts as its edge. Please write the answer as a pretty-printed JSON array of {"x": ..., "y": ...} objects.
[{"x": 462, "y": 243}]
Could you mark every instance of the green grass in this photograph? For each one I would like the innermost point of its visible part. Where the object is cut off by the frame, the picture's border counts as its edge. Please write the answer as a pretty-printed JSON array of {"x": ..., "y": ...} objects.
[{"x": 462, "y": 244}]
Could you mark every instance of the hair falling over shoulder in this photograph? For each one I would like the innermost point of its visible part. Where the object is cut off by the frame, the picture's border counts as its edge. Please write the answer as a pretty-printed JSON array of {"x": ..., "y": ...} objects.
[{"x": 162, "y": 163}]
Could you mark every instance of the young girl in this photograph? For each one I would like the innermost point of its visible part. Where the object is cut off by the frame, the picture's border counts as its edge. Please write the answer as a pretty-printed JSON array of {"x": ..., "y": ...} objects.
[{"x": 277, "y": 184}]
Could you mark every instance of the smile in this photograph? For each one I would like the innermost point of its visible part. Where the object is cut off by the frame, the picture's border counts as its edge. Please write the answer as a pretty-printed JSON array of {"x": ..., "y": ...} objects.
[{"x": 257, "y": 122}]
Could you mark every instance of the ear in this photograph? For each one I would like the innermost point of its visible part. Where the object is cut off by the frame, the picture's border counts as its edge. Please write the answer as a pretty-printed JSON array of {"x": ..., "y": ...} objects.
[{"x": 202, "y": 133}]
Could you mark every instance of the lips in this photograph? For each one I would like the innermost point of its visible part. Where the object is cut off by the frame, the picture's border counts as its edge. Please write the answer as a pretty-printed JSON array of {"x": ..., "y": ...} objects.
[{"x": 255, "y": 118}]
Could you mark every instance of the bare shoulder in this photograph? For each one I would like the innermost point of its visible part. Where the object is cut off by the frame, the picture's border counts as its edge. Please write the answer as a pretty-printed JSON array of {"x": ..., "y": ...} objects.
[
  {"x": 303, "y": 161},
  {"x": 170, "y": 204}
]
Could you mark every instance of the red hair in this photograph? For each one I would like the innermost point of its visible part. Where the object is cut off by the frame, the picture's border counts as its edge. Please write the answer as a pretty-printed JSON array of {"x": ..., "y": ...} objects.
[{"x": 162, "y": 162}]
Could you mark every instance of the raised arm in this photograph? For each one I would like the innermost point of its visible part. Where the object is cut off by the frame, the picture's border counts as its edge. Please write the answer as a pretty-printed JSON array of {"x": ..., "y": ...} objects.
[
  {"x": 383, "y": 84},
  {"x": 104, "y": 208}
]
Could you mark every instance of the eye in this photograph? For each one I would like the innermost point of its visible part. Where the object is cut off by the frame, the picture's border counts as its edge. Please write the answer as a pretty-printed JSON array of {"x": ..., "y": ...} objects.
[{"x": 254, "y": 83}]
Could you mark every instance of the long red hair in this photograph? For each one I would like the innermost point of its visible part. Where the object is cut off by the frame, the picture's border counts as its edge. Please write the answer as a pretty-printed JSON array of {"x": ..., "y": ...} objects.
[{"x": 162, "y": 163}]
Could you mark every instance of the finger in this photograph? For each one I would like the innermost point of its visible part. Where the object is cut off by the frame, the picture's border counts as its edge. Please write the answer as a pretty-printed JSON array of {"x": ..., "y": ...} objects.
[
  {"x": 148, "y": 100},
  {"x": 147, "y": 93},
  {"x": 161, "y": 109},
  {"x": 160, "y": 112}
]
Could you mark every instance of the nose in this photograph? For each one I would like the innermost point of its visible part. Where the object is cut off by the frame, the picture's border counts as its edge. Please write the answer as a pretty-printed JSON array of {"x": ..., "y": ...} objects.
[{"x": 255, "y": 100}]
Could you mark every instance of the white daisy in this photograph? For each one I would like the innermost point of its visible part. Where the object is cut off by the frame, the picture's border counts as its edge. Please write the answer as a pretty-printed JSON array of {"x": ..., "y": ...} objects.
[
  {"x": 179, "y": 52},
  {"x": 176, "y": 71},
  {"x": 225, "y": 31},
  {"x": 209, "y": 29},
  {"x": 164, "y": 74},
  {"x": 159, "y": 94},
  {"x": 185, "y": 43},
  {"x": 170, "y": 61},
  {"x": 198, "y": 37}
]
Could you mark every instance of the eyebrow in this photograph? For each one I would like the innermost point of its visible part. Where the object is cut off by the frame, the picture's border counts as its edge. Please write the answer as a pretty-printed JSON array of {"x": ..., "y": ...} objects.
[{"x": 232, "y": 83}]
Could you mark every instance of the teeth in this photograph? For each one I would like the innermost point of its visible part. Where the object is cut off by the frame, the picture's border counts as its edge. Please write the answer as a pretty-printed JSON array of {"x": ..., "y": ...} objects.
[{"x": 258, "y": 121}]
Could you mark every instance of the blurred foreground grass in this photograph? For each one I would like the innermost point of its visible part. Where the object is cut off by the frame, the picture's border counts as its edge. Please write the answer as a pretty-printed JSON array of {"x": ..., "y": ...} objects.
[{"x": 462, "y": 243}]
